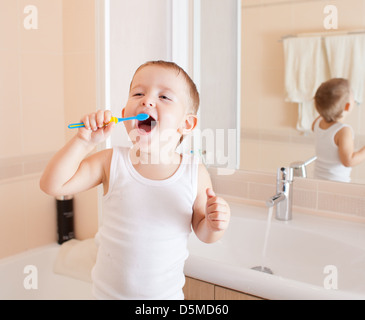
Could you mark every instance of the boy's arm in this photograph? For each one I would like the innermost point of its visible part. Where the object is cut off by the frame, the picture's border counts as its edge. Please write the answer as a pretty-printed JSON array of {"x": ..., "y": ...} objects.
[
  {"x": 211, "y": 214},
  {"x": 69, "y": 172},
  {"x": 345, "y": 143}
]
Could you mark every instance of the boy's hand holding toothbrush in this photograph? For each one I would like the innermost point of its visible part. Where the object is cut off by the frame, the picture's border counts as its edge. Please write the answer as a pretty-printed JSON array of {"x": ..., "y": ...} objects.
[{"x": 97, "y": 127}]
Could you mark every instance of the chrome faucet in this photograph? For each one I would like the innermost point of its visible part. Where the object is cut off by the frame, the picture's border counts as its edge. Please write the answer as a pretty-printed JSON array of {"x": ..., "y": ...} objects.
[
  {"x": 284, "y": 194},
  {"x": 284, "y": 185}
]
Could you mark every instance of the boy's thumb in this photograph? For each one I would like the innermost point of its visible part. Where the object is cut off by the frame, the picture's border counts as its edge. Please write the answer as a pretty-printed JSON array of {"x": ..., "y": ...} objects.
[{"x": 210, "y": 193}]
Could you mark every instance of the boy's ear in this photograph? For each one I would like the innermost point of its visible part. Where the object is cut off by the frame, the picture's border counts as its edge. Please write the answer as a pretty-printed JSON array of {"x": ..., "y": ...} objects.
[
  {"x": 347, "y": 106},
  {"x": 189, "y": 125}
]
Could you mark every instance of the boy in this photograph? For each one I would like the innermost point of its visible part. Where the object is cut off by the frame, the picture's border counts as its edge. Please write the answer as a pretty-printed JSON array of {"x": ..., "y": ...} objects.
[
  {"x": 334, "y": 139},
  {"x": 152, "y": 195}
]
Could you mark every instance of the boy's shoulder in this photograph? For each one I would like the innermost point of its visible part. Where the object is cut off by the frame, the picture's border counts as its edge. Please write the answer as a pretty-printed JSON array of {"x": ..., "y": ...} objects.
[
  {"x": 105, "y": 153},
  {"x": 345, "y": 133},
  {"x": 109, "y": 152},
  {"x": 345, "y": 129},
  {"x": 101, "y": 158}
]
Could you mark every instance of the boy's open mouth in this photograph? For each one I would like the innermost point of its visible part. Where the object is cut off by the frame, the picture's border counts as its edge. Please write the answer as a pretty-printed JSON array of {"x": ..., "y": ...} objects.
[{"x": 147, "y": 125}]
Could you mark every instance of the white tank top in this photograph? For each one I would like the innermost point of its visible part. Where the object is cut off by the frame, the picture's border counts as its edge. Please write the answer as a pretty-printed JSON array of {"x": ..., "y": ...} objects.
[
  {"x": 328, "y": 165},
  {"x": 142, "y": 240}
]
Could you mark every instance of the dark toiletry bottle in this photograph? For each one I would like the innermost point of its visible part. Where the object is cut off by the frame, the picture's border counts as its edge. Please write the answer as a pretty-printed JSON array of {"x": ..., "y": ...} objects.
[{"x": 65, "y": 218}]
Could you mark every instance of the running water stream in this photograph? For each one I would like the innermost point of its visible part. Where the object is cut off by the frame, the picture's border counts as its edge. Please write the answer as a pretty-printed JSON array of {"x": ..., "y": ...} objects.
[{"x": 262, "y": 268}]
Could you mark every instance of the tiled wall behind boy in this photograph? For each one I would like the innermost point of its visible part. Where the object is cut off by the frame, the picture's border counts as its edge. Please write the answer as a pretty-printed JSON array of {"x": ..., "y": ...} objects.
[{"x": 47, "y": 79}]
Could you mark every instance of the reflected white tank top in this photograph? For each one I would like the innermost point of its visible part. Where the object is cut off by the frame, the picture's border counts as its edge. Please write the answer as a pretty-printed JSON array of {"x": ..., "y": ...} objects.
[
  {"x": 142, "y": 240},
  {"x": 328, "y": 165}
]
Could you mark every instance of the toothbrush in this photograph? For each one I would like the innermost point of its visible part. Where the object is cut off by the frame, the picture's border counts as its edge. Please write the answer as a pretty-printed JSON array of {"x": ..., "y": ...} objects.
[{"x": 139, "y": 117}]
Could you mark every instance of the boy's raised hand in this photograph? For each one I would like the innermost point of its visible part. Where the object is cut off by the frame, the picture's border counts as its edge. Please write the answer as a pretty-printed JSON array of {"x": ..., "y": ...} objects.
[
  {"x": 217, "y": 211},
  {"x": 97, "y": 127}
]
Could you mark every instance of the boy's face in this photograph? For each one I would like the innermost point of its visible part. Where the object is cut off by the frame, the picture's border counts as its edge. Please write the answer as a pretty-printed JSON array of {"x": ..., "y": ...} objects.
[{"x": 163, "y": 94}]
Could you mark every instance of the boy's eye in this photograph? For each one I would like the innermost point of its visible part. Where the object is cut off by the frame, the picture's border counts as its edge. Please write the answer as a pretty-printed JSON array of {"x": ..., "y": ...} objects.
[
  {"x": 137, "y": 94},
  {"x": 164, "y": 97}
]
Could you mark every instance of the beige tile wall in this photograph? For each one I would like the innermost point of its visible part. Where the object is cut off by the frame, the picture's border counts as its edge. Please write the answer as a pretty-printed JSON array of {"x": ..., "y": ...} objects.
[{"x": 47, "y": 79}]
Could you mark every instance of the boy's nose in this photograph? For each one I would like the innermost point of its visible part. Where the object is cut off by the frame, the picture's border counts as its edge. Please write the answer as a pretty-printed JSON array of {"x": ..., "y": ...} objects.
[{"x": 149, "y": 103}]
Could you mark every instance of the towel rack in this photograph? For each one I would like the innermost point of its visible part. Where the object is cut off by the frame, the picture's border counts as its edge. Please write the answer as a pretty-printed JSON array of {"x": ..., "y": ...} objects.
[{"x": 321, "y": 34}]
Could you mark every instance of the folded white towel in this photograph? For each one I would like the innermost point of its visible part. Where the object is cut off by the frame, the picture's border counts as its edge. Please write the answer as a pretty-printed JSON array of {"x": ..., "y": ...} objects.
[
  {"x": 305, "y": 69},
  {"x": 346, "y": 59},
  {"x": 76, "y": 259}
]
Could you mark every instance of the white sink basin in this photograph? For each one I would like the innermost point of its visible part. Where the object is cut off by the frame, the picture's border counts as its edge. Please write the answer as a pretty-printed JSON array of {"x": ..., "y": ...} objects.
[{"x": 298, "y": 252}]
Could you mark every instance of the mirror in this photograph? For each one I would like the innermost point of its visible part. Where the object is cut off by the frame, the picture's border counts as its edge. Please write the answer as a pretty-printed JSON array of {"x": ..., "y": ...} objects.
[{"x": 269, "y": 138}]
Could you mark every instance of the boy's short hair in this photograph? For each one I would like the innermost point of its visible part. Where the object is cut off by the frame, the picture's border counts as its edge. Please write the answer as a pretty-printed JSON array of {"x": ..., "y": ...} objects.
[
  {"x": 193, "y": 92},
  {"x": 332, "y": 97}
]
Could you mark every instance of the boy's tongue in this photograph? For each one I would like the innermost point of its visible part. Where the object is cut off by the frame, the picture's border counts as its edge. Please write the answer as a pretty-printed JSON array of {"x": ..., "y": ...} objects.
[{"x": 147, "y": 125}]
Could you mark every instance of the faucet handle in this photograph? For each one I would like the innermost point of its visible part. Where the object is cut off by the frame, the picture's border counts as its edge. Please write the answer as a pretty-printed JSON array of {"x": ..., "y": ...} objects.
[
  {"x": 285, "y": 174},
  {"x": 299, "y": 167}
]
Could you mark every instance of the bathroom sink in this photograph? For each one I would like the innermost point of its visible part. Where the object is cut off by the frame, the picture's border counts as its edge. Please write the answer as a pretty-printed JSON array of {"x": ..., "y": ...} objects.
[{"x": 311, "y": 257}]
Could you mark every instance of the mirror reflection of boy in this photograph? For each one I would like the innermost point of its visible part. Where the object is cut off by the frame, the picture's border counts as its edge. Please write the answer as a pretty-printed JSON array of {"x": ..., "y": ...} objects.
[{"x": 334, "y": 140}]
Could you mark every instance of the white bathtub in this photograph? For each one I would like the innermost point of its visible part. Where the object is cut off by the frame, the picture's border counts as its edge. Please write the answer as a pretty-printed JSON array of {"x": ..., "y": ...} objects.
[
  {"x": 29, "y": 276},
  {"x": 311, "y": 257}
]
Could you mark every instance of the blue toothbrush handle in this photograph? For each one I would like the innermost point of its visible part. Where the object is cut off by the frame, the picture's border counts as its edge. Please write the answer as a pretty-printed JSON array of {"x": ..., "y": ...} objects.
[
  {"x": 81, "y": 124},
  {"x": 76, "y": 125}
]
